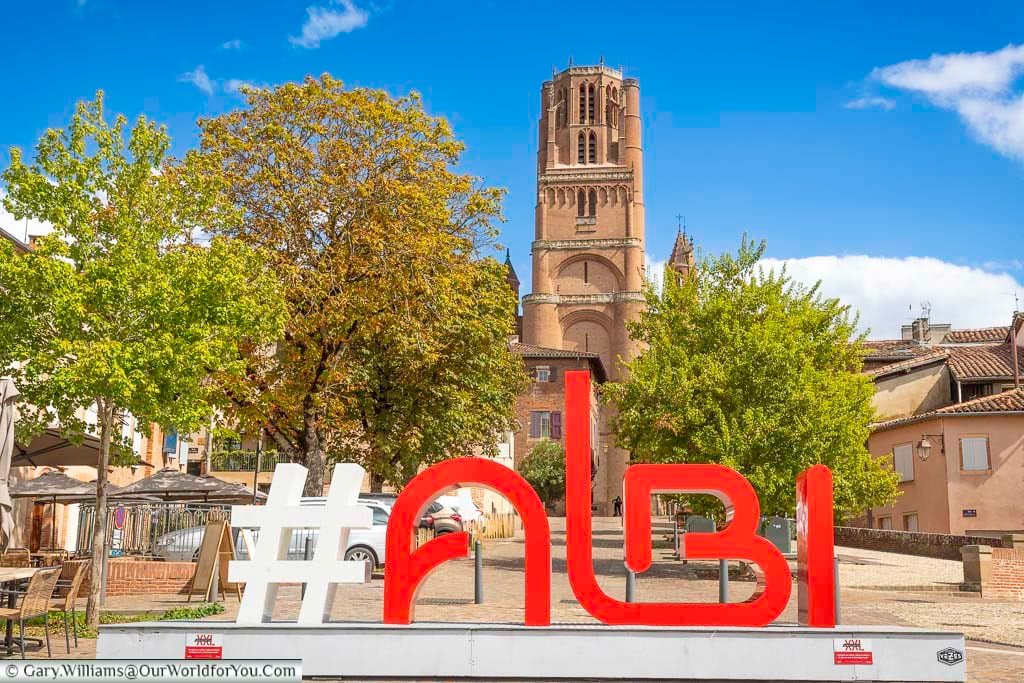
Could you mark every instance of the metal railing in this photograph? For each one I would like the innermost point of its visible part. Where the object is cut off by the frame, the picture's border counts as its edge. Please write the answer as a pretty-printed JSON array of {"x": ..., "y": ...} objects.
[
  {"x": 169, "y": 530},
  {"x": 245, "y": 461}
]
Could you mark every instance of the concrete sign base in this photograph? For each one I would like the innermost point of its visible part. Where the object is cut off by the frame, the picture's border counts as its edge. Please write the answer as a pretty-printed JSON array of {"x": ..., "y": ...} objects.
[{"x": 566, "y": 651}]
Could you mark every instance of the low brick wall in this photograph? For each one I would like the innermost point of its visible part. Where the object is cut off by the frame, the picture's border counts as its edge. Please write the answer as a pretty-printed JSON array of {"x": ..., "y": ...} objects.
[
  {"x": 941, "y": 546},
  {"x": 129, "y": 576},
  {"x": 1007, "y": 582}
]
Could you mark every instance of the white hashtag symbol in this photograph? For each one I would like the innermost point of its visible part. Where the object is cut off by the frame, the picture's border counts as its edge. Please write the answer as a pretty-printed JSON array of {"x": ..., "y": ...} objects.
[{"x": 268, "y": 565}]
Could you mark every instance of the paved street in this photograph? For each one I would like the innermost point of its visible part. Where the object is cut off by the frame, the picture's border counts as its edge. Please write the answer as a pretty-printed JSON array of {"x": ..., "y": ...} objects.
[{"x": 448, "y": 596}]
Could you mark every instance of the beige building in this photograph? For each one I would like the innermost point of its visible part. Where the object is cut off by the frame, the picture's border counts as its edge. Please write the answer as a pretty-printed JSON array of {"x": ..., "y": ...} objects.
[{"x": 952, "y": 425}]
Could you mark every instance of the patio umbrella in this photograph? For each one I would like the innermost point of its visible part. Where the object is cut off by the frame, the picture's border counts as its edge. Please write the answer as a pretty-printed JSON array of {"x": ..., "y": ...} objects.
[
  {"x": 173, "y": 484},
  {"x": 8, "y": 393},
  {"x": 53, "y": 486},
  {"x": 53, "y": 449}
]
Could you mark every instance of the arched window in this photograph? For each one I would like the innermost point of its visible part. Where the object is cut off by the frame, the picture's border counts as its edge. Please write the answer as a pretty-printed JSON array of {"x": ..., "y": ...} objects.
[
  {"x": 583, "y": 103},
  {"x": 592, "y": 149},
  {"x": 593, "y": 203},
  {"x": 590, "y": 103},
  {"x": 581, "y": 149},
  {"x": 581, "y": 204}
]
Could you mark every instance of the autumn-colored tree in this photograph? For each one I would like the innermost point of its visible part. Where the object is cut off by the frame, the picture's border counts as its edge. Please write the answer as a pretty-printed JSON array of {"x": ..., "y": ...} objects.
[
  {"x": 118, "y": 310},
  {"x": 749, "y": 369},
  {"x": 395, "y": 352},
  {"x": 544, "y": 469}
]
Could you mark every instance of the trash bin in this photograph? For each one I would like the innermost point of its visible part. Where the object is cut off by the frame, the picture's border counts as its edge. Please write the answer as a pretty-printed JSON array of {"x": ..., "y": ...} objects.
[{"x": 778, "y": 530}]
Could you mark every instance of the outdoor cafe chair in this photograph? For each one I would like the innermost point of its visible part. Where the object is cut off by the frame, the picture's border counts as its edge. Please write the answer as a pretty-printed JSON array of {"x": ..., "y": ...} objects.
[
  {"x": 67, "y": 594},
  {"x": 35, "y": 602},
  {"x": 16, "y": 557}
]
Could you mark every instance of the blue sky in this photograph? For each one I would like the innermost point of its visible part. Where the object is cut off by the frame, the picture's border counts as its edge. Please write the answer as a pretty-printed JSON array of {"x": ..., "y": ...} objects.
[{"x": 806, "y": 124}]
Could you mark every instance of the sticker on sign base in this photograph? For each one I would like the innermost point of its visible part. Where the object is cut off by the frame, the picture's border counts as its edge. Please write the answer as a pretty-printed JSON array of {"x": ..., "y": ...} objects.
[
  {"x": 852, "y": 651},
  {"x": 950, "y": 656},
  {"x": 204, "y": 646}
]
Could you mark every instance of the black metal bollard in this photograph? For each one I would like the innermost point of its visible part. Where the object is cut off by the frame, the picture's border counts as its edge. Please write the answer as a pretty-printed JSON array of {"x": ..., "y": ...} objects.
[
  {"x": 723, "y": 581},
  {"x": 478, "y": 575},
  {"x": 307, "y": 555}
]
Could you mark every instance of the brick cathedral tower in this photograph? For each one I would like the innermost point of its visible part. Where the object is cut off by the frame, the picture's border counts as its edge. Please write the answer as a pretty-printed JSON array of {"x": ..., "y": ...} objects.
[{"x": 588, "y": 253}]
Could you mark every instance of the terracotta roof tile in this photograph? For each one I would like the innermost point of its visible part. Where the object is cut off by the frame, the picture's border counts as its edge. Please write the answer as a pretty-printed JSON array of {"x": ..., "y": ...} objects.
[
  {"x": 981, "y": 362},
  {"x": 979, "y": 335},
  {"x": 894, "y": 349},
  {"x": 533, "y": 351},
  {"x": 935, "y": 356},
  {"x": 1011, "y": 401}
]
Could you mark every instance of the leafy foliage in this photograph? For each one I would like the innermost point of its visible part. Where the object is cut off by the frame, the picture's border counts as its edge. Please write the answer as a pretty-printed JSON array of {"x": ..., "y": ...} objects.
[
  {"x": 394, "y": 354},
  {"x": 55, "y": 619},
  {"x": 544, "y": 469},
  {"x": 119, "y": 310},
  {"x": 751, "y": 370}
]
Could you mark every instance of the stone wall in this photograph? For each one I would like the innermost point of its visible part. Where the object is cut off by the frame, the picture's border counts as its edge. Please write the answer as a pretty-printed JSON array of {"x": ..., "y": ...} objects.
[
  {"x": 1007, "y": 578},
  {"x": 941, "y": 546},
  {"x": 128, "y": 577}
]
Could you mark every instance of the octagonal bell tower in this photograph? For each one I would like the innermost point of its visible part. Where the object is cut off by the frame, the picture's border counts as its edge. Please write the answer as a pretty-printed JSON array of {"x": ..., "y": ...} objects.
[{"x": 588, "y": 253}]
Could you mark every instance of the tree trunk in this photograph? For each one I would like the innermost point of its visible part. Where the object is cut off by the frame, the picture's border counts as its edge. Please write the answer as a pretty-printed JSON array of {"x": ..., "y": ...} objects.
[
  {"x": 105, "y": 412},
  {"x": 314, "y": 461},
  {"x": 376, "y": 483}
]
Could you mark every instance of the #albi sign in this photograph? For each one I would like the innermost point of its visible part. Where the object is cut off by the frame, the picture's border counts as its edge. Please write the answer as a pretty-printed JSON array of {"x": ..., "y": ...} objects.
[{"x": 408, "y": 566}]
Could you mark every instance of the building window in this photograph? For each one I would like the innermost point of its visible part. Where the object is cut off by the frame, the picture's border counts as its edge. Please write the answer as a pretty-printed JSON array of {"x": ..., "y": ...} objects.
[
  {"x": 910, "y": 521},
  {"x": 545, "y": 424},
  {"x": 593, "y": 204},
  {"x": 543, "y": 373},
  {"x": 903, "y": 461},
  {"x": 583, "y": 102},
  {"x": 592, "y": 149},
  {"x": 581, "y": 149},
  {"x": 885, "y": 523},
  {"x": 581, "y": 204},
  {"x": 974, "y": 454},
  {"x": 586, "y": 273},
  {"x": 590, "y": 103}
]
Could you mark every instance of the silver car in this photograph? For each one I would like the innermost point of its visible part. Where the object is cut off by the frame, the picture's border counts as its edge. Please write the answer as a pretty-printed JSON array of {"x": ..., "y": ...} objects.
[{"x": 363, "y": 544}]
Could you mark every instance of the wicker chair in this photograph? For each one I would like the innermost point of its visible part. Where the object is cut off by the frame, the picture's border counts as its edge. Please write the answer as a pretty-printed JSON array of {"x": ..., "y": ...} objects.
[
  {"x": 16, "y": 557},
  {"x": 68, "y": 587},
  {"x": 35, "y": 602}
]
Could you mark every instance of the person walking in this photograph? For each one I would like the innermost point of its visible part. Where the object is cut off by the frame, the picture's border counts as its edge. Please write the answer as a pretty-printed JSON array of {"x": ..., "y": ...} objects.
[{"x": 617, "y": 506}]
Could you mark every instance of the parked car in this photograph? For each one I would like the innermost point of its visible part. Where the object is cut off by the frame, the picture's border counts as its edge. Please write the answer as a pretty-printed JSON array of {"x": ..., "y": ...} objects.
[
  {"x": 466, "y": 508},
  {"x": 363, "y": 544},
  {"x": 443, "y": 520}
]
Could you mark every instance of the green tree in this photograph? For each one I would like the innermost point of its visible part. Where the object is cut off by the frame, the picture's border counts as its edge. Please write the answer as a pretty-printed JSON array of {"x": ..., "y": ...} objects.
[
  {"x": 749, "y": 369},
  {"x": 395, "y": 351},
  {"x": 119, "y": 310},
  {"x": 544, "y": 469}
]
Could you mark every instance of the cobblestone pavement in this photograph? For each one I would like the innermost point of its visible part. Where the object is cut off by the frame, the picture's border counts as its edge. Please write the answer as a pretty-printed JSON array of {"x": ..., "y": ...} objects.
[{"x": 447, "y": 595}]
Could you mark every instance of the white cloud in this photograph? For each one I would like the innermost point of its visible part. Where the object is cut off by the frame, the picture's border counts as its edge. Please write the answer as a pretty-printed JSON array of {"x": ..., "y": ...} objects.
[
  {"x": 979, "y": 86},
  {"x": 200, "y": 79},
  {"x": 888, "y": 292},
  {"x": 871, "y": 103},
  {"x": 235, "y": 44},
  {"x": 323, "y": 23}
]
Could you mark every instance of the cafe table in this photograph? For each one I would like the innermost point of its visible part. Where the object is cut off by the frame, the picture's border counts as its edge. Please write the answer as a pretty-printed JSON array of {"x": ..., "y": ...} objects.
[{"x": 9, "y": 576}]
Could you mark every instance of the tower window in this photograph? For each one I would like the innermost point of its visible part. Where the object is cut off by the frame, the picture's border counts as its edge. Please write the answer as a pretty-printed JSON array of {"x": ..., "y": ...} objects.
[
  {"x": 592, "y": 148},
  {"x": 581, "y": 204},
  {"x": 586, "y": 273},
  {"x": 581, "y": 149},
  {"x": 586, "y": 342},
  {"x": 593, "y": 203},
  {"x": 583, "y": 103},
  {"x": 590, "y": 103}
]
